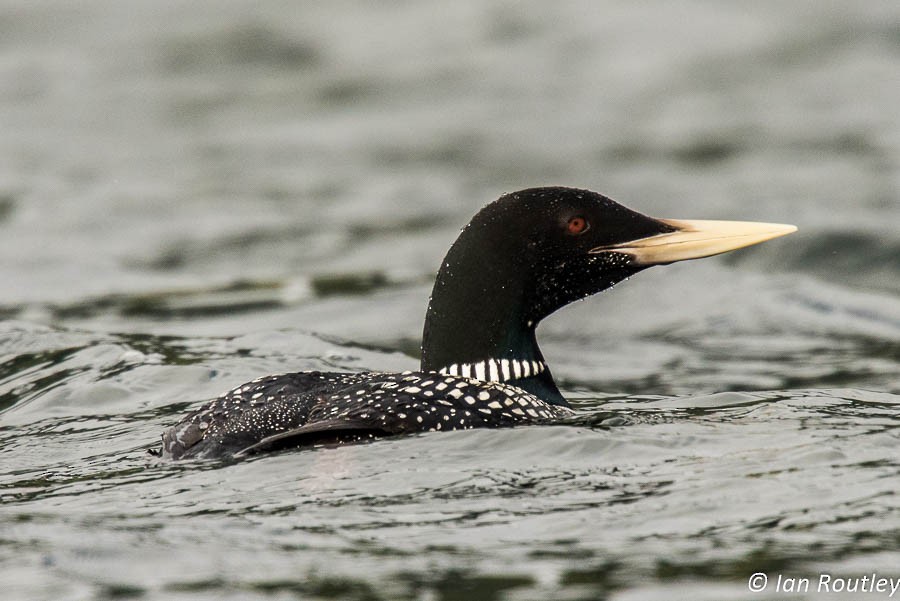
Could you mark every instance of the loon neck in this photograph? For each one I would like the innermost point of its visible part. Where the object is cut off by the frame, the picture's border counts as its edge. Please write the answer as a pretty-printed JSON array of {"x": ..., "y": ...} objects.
[
  {"x": 463, "y": 345},
  {"x": 532, "y": 376},
  {"x": 479, "y": 325}
]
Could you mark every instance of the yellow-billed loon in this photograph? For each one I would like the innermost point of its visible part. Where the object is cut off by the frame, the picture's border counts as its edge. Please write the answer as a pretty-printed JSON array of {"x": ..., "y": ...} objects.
[{"x": 521, "y": 258}]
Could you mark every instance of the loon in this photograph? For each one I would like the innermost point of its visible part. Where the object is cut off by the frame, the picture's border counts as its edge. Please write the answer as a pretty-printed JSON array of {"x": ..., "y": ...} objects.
[{"x": 521, "y": 258}]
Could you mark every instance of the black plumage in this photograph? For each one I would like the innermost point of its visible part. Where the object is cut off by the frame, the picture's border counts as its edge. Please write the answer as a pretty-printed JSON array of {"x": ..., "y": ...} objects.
[
  {"x": 520, "y": 259},
  {"x": 308, "y": 408}
]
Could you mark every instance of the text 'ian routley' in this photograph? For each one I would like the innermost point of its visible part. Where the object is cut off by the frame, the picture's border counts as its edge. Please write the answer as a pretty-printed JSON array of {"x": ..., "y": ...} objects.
[{"x": 825, "y": 583}]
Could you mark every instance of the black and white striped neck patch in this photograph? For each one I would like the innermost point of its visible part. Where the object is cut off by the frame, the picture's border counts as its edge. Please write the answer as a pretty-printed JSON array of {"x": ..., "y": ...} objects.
[{"x": 495, "y": 370}]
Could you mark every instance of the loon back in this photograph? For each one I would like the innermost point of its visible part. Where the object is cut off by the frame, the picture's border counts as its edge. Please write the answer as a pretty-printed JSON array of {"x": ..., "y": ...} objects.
[{"x": 521, "y": 258}]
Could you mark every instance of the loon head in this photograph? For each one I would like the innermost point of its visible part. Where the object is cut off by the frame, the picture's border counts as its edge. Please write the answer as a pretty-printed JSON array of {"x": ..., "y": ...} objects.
[{"x": 531, "y": 252}]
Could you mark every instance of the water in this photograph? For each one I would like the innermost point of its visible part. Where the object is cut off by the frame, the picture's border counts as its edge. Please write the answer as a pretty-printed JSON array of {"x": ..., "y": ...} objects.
[{"x": 196, "y": 194}]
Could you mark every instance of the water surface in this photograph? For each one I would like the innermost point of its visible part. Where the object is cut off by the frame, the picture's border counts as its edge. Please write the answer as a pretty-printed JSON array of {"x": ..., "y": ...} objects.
[{"x": 196, "y": 194}]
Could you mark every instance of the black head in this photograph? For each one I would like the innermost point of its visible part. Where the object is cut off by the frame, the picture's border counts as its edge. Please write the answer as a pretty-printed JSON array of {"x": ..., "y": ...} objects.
[
  {"x": 521, "y": 258},
  {"x": 555, "y": 236},
  {"x": 532, "y": 252}
]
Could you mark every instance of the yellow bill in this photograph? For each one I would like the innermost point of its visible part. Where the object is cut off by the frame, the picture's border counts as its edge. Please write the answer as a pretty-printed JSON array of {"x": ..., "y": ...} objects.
[{"x": 695, "y": 239}]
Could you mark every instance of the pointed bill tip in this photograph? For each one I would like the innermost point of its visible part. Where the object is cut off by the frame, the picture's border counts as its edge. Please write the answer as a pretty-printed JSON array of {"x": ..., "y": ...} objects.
[{"x": 695, "y": 239}]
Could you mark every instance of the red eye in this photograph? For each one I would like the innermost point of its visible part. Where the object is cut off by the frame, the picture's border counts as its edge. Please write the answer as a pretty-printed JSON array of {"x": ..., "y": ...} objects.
[{"x": 577, "y": 225}]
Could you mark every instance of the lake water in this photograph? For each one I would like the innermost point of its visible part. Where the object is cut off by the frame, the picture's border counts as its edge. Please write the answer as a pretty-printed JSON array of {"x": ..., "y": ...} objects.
[{"x": 195, "y": 194}]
